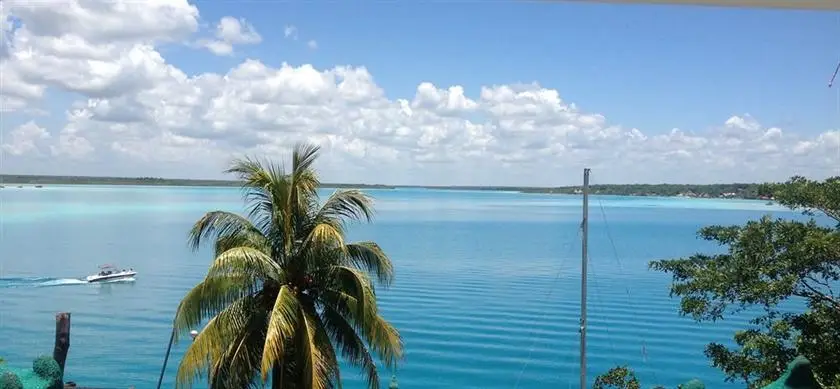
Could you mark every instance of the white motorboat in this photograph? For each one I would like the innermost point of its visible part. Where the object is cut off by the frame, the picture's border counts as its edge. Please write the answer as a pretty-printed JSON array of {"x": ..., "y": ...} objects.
[{"x": 110, "y": 273}]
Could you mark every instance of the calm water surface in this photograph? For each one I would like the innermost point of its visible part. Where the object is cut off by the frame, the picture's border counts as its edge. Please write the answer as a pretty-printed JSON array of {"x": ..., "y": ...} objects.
[{"x": 486, "y": 296}]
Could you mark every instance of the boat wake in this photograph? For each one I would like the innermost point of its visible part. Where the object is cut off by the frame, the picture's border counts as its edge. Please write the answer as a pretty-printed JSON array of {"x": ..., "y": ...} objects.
[{"x": 40, "y": 282}]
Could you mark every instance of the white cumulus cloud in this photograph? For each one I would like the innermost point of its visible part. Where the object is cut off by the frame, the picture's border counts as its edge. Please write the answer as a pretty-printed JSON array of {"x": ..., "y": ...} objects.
[
  {"x": 135, "y": 113},
  {"x": 230, "y": 32},
  {"x": 25, "y": 139}
]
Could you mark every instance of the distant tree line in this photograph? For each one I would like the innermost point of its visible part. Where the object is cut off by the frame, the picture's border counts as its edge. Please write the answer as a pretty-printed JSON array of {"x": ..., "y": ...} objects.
[
  {"x": 9, "y": 179},
  {"x": 735, "y": 190}
]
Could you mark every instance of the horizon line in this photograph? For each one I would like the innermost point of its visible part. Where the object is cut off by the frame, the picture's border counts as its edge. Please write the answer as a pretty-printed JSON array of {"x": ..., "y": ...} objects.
[{"x": 4, "y": 177}]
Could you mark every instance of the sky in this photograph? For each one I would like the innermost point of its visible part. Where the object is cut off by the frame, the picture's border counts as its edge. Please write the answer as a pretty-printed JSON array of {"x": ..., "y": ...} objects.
[{"x": 424, "y": 93}]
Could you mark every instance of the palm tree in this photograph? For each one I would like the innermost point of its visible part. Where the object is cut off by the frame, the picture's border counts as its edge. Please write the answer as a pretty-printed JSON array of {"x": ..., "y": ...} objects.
[{"x": 285, "y": 290}]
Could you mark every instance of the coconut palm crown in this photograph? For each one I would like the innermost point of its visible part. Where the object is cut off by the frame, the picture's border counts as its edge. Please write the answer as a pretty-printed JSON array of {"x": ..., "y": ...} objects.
[{"x": 285, "y": 294}]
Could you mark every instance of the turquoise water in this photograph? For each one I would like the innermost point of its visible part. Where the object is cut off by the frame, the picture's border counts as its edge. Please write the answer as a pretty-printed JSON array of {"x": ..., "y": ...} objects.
[{"x": 487, "y": 291}]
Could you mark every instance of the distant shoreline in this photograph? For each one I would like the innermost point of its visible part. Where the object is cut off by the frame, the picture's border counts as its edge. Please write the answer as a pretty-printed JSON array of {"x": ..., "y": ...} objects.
[{"x": 747, "y": 191}]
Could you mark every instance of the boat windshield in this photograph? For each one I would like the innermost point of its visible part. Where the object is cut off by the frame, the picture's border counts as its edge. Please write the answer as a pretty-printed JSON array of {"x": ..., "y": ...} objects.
[{"x": 107, "y": 269}]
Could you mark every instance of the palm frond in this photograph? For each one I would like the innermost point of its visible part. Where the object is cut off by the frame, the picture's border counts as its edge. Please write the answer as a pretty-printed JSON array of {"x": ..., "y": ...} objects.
[
  {"x": 251, "y": 172},
  {"x": 261, "y": 186},
  {"x": 221, "y": 224},
  {"x": 210, "y": 348},
  {"x": 325, "y": 236},
  {"x": 352, "y": 346},
  {"x": 261, "y": 208},
  {"x": 239, "y": 366},
  {"x": 284, "y": 319},
  {"x": 356, "y": 284},
  {"x": 384, "y": 339},
  {"x": 303, "y": 157},
  {"x": 304, "y": 179},
  {"x": 355, "y": 299},
  {"x": 370, "y": 257},
  {"x": 211, "y": 296},
  {"x": 280, "y": 192},
  {"x": 252, "y": 239},
  {"x": 246, "y": 260},
  {"x": 347, "y": 205},
  {"x": 324, "y": 343},
  {"x": 315, "y": 369},
  {"x": 377, "y": 332}
]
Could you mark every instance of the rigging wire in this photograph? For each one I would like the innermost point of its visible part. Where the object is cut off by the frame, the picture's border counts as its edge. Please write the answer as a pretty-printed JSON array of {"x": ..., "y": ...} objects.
[
  {"x": 836, "y": 70},
  {"x": 166, "y": 358},
  {"x": 834, "y": 76},
  {"x": 551, "y": 289},
  {"x": 598, "y": 291},
  {"x": 626, "y": 287},
  {"x": 597, "y": 294}
]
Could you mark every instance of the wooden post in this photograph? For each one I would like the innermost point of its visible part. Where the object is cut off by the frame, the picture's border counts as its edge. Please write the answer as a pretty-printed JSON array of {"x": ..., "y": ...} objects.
[{"x": 62, "y": 340}]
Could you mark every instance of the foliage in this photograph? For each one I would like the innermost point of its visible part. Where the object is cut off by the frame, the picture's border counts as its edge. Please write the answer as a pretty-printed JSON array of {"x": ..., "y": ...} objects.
[
  {"x": 47, "y": 368},
  {"x": 10, "y": 380},
  {"x": 622, "y": 377},
  {"x": 286, "y": 293},
  {"x": 619, "y": 377},
  {"x": 693, "y": 384},
  {"x": 2, "y": 361},
  {"x": 770, "y": 263}
]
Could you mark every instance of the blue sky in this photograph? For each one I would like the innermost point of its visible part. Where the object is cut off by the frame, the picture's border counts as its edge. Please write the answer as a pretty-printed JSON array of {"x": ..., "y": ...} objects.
[
  {"x": 92, "y": 88},
  {"x": 650, "y": 66}
]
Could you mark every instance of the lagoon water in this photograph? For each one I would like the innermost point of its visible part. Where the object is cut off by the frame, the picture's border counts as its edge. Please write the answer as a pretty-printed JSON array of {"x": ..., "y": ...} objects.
[{"x": 487, "y": 293}]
